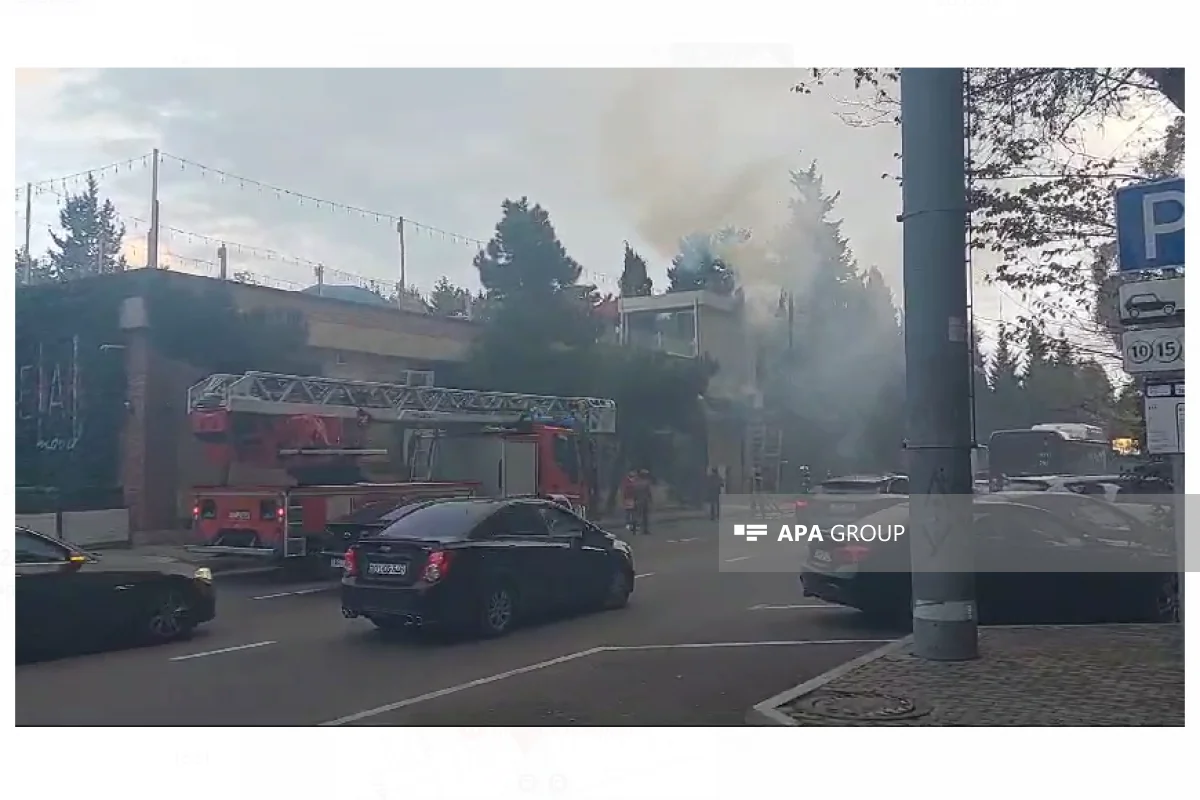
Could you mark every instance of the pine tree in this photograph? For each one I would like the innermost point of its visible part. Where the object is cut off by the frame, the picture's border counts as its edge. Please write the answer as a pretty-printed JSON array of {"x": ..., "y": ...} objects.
[
  {"x": 525, "y": 256},
  {"x": 448, "y": 300},
  {"x": 1009, "y": 408},
  {"x": 635, "y": 282},
  {"x": 698, "y": 265},
  {"x": 90, "y": 242}
]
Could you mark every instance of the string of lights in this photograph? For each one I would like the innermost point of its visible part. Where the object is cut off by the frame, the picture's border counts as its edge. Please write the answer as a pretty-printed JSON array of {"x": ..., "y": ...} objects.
[{"x": 59, "y": 186}]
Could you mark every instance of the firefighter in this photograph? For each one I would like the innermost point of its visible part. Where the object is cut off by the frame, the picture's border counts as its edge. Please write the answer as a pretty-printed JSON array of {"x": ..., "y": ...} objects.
[
  {"x": 644, "y": 494},
  {"x": 713, "y": 486},
  {"x": 629, "y": 499}
]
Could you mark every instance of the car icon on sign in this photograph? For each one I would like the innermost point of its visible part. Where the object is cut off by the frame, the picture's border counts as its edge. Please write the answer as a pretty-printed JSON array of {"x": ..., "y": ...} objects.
[{"x": 1148, "y": 302}]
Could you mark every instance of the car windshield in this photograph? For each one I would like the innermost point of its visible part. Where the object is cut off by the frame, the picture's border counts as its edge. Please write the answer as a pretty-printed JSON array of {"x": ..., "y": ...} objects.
[{"x": 441, "y": 522}]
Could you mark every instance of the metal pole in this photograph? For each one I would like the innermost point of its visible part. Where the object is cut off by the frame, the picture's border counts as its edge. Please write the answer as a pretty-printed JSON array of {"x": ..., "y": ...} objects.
[
  {"x": 101, "y": 246},
  {"x": 152, "y": 236},
  {"x": 223, "y": 262},
  {"x": 28, "y": 230},
  {"x": 938, "y": 365},
  {"x": 1180, "y": 511},
  {"x": 403, "y": 256}
]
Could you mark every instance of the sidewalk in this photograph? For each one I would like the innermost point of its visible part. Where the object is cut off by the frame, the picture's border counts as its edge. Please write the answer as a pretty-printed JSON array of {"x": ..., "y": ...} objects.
[
  {"x": 1095, "y": 675},
  {"x": 171, "y": 544}
]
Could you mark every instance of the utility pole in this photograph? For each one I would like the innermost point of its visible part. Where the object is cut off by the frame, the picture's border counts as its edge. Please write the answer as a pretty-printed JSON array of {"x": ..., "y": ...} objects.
[
  {"x": 403, "y": 256},
  {"x": 319, "y": 270},
  {"x": 223, "y": 262},
  {"x": 152, "y": 235},
  {"x": 938, "y": 365},
  {"x": 28, "y": 268}
]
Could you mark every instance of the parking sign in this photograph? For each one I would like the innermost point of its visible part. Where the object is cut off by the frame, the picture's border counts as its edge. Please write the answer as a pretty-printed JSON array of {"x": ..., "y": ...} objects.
[{"x": 1150, "y": 225}]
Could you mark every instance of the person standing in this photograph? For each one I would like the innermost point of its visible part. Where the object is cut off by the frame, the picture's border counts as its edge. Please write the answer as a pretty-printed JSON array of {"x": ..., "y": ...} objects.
[
  {"x": 715, "y": 484},
  {"x": 644, "y": 493}
]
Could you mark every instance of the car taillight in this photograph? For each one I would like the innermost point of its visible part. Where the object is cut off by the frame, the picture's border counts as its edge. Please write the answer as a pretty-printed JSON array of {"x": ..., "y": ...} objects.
[
  {"x": 196, "y": 512},
  {"x": 851, "y": 553},
  {"x": 279, "y": 514},
  {"x": 436, "y": 566},
  {"x": 801, "y": 504},
  {"x": 350, "y": 564}
]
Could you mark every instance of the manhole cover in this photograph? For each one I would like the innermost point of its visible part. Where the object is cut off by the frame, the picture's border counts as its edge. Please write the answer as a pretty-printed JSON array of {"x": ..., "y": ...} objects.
[{"x": 860, "y": 706}]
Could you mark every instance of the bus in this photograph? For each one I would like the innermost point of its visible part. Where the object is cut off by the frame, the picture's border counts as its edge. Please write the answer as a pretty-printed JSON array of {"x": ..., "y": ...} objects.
[{"x": 1049, "y": 449}]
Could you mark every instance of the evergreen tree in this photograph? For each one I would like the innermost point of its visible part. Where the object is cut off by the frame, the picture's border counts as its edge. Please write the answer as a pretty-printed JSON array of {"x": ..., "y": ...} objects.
[
  {"x": 91, "y": 237},
  {"x": 836, "y": 367},
  {"x": 635, "y": 282},
  {"x": 448, "y": 300},
  {"x": 698, "y": 265},
  {"x": 524, "y": 256},
  {"x": 1008, "y": 406}
]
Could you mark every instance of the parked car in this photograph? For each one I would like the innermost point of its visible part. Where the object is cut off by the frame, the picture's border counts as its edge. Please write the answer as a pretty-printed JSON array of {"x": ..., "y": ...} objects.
[
  {"x": 1149, "y": 303},
  {"x": 1046, "y": 557},
  {"x": 483, "y": 565},
  {"x": 344, "y": 533},
  {"x": 1102, "y": 486},
  {"x": 70, "y": 600},
  {"x": 849, "y": 499}
]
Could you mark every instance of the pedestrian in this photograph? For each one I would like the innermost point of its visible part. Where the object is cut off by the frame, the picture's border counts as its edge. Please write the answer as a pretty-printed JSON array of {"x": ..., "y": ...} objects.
[
  {"x": 629, "y": 499},
  {"x": 644, "y": 497},
  {"x": 756, "y": 486},
  {"x": 713, "y": 490}
]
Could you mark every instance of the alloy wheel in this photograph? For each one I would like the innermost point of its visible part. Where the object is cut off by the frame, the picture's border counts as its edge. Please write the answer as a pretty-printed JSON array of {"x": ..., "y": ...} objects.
[
  {"x": 499, "y": 610},
  {"x": 169, "y": 617}
]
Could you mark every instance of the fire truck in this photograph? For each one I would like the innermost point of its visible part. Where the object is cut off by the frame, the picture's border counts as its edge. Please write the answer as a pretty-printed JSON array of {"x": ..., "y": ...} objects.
[{"x": 316, "y": 433}]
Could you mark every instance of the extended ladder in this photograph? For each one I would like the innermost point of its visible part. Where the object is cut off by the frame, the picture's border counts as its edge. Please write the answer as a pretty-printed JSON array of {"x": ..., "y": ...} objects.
[{"x": 269, "y": 393}]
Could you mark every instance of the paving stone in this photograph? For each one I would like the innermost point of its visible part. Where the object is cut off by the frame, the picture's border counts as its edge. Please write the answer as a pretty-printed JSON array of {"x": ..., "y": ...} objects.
[{"x": 1123, "y": 675}]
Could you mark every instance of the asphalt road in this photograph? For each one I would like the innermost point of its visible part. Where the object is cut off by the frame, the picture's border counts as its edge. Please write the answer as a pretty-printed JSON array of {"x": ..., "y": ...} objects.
[{"x": 696, "y": 646}]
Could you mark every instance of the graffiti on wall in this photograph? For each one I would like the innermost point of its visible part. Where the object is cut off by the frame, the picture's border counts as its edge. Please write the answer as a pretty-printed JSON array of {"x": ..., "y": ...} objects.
[{"x": 50, "y": 397}]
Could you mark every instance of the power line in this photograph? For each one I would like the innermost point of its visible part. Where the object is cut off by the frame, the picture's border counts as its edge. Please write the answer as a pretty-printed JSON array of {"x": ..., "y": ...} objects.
[{"x": 142, "y": 160}]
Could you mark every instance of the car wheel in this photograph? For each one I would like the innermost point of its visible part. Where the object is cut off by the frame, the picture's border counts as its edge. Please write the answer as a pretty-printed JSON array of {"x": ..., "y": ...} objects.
[
  {"x": 170, "y": 617},
  {"x": 497, "y": 611},
  {"x": 620, "y": 586},
  {"x": 1166, "y": 601},
  {"x": 1168, "y": 309}
]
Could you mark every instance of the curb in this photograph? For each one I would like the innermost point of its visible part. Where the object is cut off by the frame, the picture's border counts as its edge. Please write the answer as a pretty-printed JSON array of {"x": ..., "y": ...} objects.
[{"x": 767, "y": 712}]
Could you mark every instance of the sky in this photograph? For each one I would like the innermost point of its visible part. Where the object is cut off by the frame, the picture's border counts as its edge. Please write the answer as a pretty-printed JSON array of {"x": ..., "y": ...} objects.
[{"x": 613, "y": 155}]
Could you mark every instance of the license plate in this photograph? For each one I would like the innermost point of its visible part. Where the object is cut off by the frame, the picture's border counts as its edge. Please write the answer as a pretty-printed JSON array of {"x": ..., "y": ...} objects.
[
  {"x": 822, "y": 555},
  {"x": 842, "y": 508},
  {"x": 337, "y": 563},
  {"x": 242, "y": 515},
  {"x": 388, "y": 569}
]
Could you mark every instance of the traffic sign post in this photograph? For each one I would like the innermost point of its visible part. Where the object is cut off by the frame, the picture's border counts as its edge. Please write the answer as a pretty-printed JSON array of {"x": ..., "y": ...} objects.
[
  {"x": 1150, "y": 225},
  {"x": 1150, "y": 237}
]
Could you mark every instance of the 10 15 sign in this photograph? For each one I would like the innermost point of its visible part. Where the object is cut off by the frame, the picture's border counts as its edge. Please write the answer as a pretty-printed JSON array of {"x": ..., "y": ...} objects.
[{"x": 1153, "y": 350}]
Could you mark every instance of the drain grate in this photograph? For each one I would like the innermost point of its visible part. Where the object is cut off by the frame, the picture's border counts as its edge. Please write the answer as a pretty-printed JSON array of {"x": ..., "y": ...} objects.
[{"x": 860, "y": 706}]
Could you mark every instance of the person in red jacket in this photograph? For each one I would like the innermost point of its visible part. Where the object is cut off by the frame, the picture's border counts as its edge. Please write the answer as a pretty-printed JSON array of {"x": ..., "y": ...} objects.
[{"x": 629, "y": 498}]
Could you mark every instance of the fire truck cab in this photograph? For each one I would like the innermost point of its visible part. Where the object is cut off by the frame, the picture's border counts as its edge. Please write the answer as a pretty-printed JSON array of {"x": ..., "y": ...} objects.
[{"x": 455, "y": 443}]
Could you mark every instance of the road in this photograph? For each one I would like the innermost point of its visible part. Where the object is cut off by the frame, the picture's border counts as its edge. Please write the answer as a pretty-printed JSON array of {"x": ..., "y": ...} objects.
[{"x": 696, "y": 646}]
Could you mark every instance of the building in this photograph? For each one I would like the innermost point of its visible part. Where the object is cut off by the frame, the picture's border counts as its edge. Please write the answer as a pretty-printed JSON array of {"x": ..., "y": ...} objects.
[
  {"x": 102, "y": 390},
  {"x": 701, "y": 323}
]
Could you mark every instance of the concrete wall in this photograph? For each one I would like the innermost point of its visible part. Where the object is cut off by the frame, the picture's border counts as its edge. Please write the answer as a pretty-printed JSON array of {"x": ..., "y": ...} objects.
[{"x": 89, "y": 528}]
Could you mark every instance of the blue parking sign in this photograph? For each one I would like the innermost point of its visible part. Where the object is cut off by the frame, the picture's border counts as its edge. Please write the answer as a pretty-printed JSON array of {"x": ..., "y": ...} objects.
[{"x": 1150, "y": 225}]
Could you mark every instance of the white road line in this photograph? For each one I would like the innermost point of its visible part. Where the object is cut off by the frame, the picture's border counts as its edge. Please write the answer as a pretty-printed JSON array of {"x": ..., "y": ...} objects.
[
  {"x": 762, "y": 607},
  {"x": 223, "y": 650},
  {"x": 738, "y": 558},
  {"x": 709, "y": 645},
  {"x": 412, "y": 701},
  {"x": 645, "y": 574},
  {"x": 294, "y": 593},
  {"x": 690, "y": 539}
]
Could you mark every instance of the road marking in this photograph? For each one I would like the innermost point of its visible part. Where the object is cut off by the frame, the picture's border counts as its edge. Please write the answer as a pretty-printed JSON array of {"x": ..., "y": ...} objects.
[
  {"x": 412, "y": 701},
  {"x": 294, "y": 593},
  {"x": 739, "y": 558},
  {"x": 223, "y": 650},
  {"x": 709, "y": 645},
  {"x": 690, "y": 539},
  {"x": 763, "y": 607},
  {"x": 645, "y": 575}
]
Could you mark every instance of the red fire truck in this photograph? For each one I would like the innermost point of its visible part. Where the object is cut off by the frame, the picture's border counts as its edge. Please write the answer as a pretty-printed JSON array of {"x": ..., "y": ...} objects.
[{"x": 315, "y": 433}]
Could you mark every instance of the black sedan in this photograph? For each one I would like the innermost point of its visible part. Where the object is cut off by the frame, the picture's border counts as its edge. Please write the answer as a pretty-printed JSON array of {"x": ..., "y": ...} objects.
[
  {"x": 1040, "y": 557},
  {"x": 483, "y": 565},
  {"x": 69, "y": 600}
]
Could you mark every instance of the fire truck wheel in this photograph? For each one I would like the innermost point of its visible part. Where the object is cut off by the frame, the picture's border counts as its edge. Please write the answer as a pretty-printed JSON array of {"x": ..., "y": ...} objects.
[{"x": 497, "y": 610}]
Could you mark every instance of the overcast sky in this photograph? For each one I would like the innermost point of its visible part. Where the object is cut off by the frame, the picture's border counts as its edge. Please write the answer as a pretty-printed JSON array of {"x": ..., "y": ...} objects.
[{"x": 613, "y": 155}]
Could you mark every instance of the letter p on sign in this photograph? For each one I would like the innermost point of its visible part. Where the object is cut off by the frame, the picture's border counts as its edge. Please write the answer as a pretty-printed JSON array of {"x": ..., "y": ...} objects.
[{"x": 1150, "y": 225}]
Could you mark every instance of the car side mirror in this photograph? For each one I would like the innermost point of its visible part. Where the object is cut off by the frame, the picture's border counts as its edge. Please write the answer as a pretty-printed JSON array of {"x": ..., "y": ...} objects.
[{"x": 74, "y": 562}]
